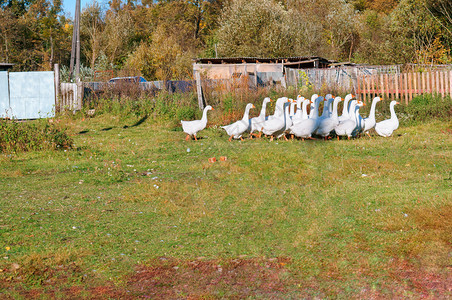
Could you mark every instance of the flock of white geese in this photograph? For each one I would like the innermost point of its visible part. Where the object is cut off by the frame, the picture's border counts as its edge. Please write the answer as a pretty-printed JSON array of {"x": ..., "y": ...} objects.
[{"x": 291, "y": 117}]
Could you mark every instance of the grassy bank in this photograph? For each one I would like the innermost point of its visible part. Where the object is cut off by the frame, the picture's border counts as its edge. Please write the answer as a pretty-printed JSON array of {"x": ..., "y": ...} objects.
[{"x": 134, "y": 210}]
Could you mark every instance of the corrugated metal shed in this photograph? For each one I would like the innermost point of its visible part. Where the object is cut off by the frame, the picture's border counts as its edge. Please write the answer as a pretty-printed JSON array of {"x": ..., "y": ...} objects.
[{"x": 260, "y": 71}]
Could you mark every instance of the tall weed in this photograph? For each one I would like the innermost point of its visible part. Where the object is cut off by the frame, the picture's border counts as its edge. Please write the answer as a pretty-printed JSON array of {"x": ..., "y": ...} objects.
[{"x": 35, "y": 135}]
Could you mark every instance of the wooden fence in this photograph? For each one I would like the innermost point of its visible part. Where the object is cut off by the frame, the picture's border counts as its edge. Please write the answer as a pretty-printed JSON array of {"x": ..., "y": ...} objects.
[
  {"x": 369, "y": 81},
  {"x": 403, "y": 86},
  {"x": 70, "y": 98}
]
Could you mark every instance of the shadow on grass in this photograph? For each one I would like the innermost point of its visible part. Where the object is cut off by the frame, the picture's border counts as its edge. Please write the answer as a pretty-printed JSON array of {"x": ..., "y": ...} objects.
[{"x": 138, "y": 123}]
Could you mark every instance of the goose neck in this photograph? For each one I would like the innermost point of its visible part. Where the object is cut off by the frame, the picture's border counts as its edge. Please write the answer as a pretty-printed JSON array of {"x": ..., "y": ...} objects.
[{"x": 393, "y": 114}]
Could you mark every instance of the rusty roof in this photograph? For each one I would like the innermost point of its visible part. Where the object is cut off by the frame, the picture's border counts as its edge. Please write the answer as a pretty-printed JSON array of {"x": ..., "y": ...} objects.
[{"x": 240, "y": 60}]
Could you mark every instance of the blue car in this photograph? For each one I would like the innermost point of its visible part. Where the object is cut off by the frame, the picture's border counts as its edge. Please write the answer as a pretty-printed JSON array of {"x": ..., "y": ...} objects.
[{"x": 133, "y": 79}]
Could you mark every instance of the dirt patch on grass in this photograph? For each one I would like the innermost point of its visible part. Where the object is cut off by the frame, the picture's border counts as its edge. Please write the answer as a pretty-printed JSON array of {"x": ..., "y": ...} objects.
[
  {"x": 419, "y": 282},
  {"x": 170, "y": 278},
  {"x": 165, "y": 278},
  {"x": 273, "y": 278}
]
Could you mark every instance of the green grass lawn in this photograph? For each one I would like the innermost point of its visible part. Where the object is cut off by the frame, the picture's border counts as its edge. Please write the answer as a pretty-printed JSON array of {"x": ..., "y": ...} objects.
[{"x": 136, "y": 211}]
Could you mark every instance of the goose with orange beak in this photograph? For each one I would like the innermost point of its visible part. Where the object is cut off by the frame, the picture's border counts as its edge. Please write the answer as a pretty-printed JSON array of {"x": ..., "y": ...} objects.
[
  {"x": 370, "y": 122},
  {"x": 305, "y": 128},
  {"x": 193, "y": 127},
  {"x": 386, "y": 128},
  {"x": 348, "y": 127},
  {"x": 345, "y": 116},
  {"x": 277, "y": 125},
  {"x": 236, "y": 129},
  {"x": 256, "y": 122}
]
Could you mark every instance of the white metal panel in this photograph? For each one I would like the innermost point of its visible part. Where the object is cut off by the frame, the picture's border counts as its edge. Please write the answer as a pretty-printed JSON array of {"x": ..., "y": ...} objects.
[
  {"x": 4, "y": 94},
  {"x": 32, "y": 94}
]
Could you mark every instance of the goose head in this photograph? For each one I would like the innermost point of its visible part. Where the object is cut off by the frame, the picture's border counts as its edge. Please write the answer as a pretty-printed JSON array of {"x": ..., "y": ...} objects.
[
  {"x": 300, "y": 101},
  {"x": 393, "y": 102},
  {"x": 314, "y": 97},
  {"x": 349, "y": 97},
  {"x": 267, "y": 100}
]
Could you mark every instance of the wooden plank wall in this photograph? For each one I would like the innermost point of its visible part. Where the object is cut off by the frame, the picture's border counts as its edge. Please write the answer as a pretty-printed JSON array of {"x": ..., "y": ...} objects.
[
  {"x": 403, "y": 86},
  {"x": 70, "y": 96}
]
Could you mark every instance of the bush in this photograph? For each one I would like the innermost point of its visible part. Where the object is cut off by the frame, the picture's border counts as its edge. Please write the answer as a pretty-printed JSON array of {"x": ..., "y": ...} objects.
[
  {"x": 429, "y": 107},
  {"x": 36, "y": 135}
]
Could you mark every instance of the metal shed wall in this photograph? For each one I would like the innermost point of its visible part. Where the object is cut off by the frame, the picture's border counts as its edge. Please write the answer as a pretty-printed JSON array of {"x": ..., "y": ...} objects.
[
  {"x": 32, "y": 94},
  {"x": 4, "y": 94}
]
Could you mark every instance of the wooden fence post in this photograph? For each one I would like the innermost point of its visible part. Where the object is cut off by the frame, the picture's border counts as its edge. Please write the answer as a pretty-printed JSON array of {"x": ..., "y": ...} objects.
[
  {"x": 414, "y": 84},
  {"x": 381, "y": 89},
  {"x": 80, "y": 91},
  {"x": 437, "y": 82},
  {"x": 357, "y": 86},
  {"x": 442, "y": 83},
  {"x": 419, "y": 83},
  {"x": 393, "y": 78},
  {"x": 397, "y": 78},
  {"x": 405, "y": 83},
  {"x": 199, "y": 90},
  {"x": 56, "y": 69},
  {"x": 446, "y": 82},
  {"x": 386, "y": 85},
  {"x": 450, "y": 83},
  {"x": 423, "y": 82},
  {"x": 410, "y": 86}
]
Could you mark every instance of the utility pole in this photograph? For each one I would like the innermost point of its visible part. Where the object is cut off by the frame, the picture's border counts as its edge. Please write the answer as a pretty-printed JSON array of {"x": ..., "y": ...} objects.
[{"x": 75, "y": 49}]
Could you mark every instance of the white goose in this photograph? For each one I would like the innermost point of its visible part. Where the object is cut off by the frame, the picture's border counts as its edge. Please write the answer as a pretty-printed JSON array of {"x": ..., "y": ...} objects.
[
  {"x": 369, "y": 122},
  {"x": 300, "y": 113},
  {"x": 386, "y": 128},
  {"x": 326, "y": 125},
  {"x": 256, "y": 122},
  {"x": 193, "y": 127},
  {"x": 287, "y": 123},
  {"x": 235, "y": 130},
  {"x": 326, "y": 107},
  {"x": 330, "y": 99},
  {"x": 279, "y": 108},
  {"x": 313, "y": 98},
  {"x": 305, "y": 128},
  {"x": 345, "y": 115},
  {"x": 347, "y": 127},
  {"x": 302, "y": 110},
  {"x": 293, "y": 103},
  {"x": 278, "y": 123}
]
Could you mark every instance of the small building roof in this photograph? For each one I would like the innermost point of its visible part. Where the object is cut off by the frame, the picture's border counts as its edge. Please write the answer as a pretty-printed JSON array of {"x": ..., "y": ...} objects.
[
  {"x": 287, "y": 61},
  {"x": 5, "y": 66}
]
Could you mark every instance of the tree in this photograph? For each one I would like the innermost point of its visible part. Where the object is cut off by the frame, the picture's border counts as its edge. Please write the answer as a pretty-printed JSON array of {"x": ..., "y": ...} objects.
[
  {"x": 8, "y": 33},
  {"x": 118, "y": 33},
  {"x": 255, "y": 28},
  {"x": 92, "y": 26}
]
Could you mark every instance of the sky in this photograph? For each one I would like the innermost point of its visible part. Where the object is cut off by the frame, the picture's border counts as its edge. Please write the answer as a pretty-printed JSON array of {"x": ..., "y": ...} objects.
[{"x": 69, "y": 6}]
